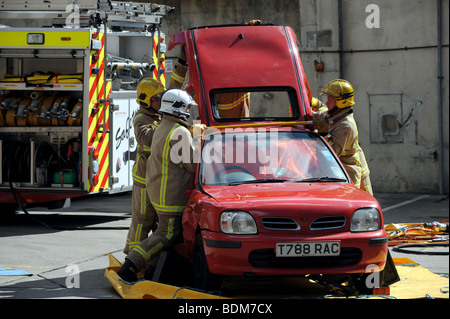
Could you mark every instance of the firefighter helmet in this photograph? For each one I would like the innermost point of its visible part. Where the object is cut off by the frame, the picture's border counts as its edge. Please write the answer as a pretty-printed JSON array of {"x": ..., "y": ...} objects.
[
  {"x": 176, "y": 102},
  {"x": 342, "y": 91},
  {"x": 147, "y": 88}
]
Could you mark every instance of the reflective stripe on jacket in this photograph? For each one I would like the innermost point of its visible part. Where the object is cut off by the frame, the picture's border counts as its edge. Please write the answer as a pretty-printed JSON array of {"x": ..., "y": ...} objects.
[{"x": 233, "y": 105}]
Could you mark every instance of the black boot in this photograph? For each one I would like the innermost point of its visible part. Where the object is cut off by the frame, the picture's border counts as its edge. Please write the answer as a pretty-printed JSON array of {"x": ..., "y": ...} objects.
[{"x": 128, "y": 271}]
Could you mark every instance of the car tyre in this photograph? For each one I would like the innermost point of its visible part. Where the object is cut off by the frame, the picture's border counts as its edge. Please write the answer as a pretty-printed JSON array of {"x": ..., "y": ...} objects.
[
  {"x": 202, "y": 278},
  {"x": 359, "y": 282}
]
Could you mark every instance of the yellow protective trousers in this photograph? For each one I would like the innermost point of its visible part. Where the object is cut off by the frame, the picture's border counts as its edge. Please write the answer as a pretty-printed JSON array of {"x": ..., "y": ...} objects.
[
  {"x": 143, "y": 217},
  {"x": 147, "y": 251}
]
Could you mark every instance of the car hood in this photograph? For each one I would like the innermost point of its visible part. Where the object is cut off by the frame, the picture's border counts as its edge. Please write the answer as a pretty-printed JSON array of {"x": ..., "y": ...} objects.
[{"x": 310, "y": 197}]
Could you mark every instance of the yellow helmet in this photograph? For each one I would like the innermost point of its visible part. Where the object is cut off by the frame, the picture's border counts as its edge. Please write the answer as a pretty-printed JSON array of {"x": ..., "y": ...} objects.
[
  {"x": 342, "y": 91},
  {"x": 147, "y": 88}
]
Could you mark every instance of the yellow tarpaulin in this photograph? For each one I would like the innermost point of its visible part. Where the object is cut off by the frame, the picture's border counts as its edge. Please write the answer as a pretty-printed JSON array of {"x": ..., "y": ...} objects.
[
  {"x": 146, "y": 289},
  {"x": 415, "y": 283},
  {"x": 418, "y": 282}
]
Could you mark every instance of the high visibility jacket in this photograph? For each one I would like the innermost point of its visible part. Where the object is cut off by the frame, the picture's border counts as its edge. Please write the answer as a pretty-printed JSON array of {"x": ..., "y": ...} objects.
[
  {"x": 233, "y": 105},
  {"x": 343, "y": 138},
  {"x": 171, "y": 165},
  {"x": 145, "y": 122}
]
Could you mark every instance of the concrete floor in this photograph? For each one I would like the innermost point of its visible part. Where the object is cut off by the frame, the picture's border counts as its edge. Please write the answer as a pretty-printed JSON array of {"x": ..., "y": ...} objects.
[{"x": 53, "y": 256}]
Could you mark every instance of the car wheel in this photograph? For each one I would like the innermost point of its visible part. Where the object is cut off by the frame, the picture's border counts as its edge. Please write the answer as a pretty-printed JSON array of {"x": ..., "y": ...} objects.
[
  {"x": 202, "y": 278},
  {"x": 359, "y": 282}
]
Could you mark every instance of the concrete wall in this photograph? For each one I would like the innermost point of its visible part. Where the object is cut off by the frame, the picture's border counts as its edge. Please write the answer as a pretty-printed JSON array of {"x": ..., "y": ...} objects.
[
  {"x": 388, "y": 78},
  {"x": 388, "y": 81}
]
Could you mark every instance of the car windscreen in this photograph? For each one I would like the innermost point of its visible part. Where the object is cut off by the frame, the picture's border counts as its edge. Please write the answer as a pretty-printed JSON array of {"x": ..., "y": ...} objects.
[
  {"x": 261, "y": 104},
  {"x": 263, "y": 155}
]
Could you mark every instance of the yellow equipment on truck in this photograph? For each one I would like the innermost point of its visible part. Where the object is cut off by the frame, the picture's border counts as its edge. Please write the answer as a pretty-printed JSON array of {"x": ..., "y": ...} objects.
[{"x": 68, "y": 78}]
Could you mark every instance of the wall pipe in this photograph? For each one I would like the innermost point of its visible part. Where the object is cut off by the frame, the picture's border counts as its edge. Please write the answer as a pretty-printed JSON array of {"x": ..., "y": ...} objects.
[
  {"x": 341, "y": 55},
  {"x": 440, "y": 110}
]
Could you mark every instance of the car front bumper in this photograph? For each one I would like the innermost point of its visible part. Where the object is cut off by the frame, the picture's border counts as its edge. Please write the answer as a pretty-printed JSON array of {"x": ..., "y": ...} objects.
[{"x": 237, "y": 255}]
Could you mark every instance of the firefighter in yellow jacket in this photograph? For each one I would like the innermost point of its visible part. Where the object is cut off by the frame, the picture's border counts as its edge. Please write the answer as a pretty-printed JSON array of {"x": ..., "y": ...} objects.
[
  {"x": 145, "y": 122},
  {"x": 343, "y": 132},
  {"x": 170, "y": 171}
]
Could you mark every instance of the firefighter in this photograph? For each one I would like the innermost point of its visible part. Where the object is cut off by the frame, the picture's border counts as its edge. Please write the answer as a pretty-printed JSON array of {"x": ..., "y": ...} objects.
[
  {"x": 343, "y": 138},
  {"x": 169, "y": 175},
  {"x": 317, "y": 105},
  {"x": 343, "y": 132},
  {"x": 320, "y": 110},
  {"x": 145, "y": 122}
]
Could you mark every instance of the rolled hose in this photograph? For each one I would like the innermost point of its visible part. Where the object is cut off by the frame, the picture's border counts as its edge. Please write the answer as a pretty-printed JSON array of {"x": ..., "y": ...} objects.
[{"x": 404, "y": 249}]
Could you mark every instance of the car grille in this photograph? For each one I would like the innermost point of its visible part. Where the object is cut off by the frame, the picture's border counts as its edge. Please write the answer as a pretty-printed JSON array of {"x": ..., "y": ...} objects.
[
  {"x": 266, "y": 258},
  {"x": 279, "y": 223},
  {"x": 329, "y": 222}
]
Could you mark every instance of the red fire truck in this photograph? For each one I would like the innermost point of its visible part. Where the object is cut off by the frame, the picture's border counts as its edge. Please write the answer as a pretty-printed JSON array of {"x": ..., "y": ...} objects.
[{"x": 68, "y": 78}]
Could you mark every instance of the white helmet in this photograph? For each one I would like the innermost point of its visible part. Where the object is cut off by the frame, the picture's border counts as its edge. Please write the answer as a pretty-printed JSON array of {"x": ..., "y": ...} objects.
[{"x": 176, "y": 102}]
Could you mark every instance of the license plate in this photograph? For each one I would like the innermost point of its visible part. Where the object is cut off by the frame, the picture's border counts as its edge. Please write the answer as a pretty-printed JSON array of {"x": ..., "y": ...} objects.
[{"x": 329, "y": 248}]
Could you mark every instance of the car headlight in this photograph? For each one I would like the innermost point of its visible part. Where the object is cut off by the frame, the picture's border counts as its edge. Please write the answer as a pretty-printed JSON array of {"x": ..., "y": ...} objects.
[
  {"x": 365, "y": 219},
  {"x": 237, "y": 222}
]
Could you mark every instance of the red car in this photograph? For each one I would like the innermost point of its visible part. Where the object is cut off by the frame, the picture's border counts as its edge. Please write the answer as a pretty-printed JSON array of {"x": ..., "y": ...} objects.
[{"x": 270, "y": 195}]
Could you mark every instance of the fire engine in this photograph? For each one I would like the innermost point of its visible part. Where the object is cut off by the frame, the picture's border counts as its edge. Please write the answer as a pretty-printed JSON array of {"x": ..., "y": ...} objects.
[{"x": 68, "y": 77}]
